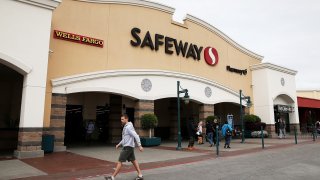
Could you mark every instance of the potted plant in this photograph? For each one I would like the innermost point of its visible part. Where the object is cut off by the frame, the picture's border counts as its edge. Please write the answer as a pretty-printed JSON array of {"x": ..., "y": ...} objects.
[
  {"x": 253, "y": 126},
  {"x": 149, "y": 122}
]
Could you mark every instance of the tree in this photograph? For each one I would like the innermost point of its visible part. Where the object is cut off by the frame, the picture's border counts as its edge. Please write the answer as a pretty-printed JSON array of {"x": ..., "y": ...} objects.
[{"x": 149, "y": 121}]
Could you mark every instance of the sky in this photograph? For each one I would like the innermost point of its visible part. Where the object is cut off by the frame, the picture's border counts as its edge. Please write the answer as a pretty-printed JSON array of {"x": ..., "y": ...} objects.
[{"x": 285, "y": 32}]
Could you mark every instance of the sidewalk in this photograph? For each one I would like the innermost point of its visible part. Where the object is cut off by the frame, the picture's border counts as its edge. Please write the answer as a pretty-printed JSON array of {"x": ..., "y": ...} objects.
[{"x": 97, "y": 161}]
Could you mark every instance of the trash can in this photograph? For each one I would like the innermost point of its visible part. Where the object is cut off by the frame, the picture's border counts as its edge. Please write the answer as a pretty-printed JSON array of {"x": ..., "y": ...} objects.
[{"x": 47, "y": 143}]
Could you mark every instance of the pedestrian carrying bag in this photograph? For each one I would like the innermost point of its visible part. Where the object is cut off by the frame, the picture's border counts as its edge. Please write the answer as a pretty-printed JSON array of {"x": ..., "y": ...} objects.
[{"x": 228, "y": 132}]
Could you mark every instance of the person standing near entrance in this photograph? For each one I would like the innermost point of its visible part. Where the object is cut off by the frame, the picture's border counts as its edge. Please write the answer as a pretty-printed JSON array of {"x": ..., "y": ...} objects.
[
  {"x": 227, "y": 133},
  {"x": 89, "y": 131},
  {"x": 129, "y": 137},
  {"x": 215, "y": 126},
  {"x": 209, "y": 132},
  {"x": 199, "y": 132},
  {"x": 192, "y": 133},
  {"x": 282, "y": 129},
  {"x": 317, "y": 125}
]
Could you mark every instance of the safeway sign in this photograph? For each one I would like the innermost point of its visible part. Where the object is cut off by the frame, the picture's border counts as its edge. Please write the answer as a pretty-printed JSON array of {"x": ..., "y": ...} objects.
[{"x": 172, "y": 45}]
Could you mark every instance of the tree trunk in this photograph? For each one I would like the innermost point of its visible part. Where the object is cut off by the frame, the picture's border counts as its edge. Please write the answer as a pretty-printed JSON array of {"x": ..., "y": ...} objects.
[{"x": 150, "y": 133}]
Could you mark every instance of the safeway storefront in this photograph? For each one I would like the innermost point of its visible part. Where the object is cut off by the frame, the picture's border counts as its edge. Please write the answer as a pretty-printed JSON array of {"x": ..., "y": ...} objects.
[{"x": 113, "y": 57}]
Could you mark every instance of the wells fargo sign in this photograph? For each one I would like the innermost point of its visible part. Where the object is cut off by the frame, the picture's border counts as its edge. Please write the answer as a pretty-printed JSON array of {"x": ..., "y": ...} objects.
[{"x": 77, "y": 38}]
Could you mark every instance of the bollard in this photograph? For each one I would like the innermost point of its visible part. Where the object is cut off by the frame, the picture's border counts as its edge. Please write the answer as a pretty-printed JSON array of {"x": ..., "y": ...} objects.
[
  {"x": 295, "y": 135},
  {"x": 313, "y": 133},
  {"x": 217, "y": 140},
  {"x": 262, "y": 137}
]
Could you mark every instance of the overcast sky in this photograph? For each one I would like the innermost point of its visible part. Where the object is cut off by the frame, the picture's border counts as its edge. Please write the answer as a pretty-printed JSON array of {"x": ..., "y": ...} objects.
[{"x": 285, "y": 32}]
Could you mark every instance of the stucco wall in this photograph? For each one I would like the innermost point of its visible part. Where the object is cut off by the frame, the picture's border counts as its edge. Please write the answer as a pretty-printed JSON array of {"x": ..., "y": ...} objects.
[
  {"x": 313, "y": 94},
  {"x": 267, "y": 87},
  {"x": 25, "y": 32}
]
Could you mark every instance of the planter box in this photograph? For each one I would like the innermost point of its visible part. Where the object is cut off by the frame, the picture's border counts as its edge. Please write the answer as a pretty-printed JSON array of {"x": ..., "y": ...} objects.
[
  {"x": 247, "y": 134},
  {"x": 154, "y": 141},
  {"x": 257, "y": 134}
]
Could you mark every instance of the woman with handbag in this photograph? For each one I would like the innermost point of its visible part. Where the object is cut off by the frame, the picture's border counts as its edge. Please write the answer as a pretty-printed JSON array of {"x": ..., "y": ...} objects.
[
  {"x": 227, "y": 133},
  {"x": 199, "y": 133}
]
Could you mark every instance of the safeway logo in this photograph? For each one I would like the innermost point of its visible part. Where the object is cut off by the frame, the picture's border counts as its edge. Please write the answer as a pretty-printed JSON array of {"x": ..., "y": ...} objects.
[{"x": 211, "y": 56}]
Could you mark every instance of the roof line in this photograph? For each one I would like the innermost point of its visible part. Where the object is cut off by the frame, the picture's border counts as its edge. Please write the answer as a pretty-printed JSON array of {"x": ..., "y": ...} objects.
[{"x": 222, "y": 35}]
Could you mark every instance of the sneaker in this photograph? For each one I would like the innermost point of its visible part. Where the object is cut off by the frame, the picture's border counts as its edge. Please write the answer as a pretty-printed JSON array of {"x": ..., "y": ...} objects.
[
  {"x": 139, "y": 178},
  {"x": 228, "y": 147},
  {"x": 108, "y": 178}
]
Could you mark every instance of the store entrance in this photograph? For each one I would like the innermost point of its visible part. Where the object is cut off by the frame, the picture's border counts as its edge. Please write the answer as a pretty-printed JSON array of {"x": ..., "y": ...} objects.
[
  {"x": 11, "y": 83},
  {"x": 102, "y": 125},
  {"x": 77, "y": 128},
  {"x": 285, "y": 117},
  {"x": 130, "y": 113},
  {"x": 74, "y": 127},
  {"x": 166, "y": 111}
]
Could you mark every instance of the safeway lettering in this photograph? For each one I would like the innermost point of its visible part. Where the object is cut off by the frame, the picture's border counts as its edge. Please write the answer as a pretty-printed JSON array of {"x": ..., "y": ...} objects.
[{"x": 171, "y": 45}]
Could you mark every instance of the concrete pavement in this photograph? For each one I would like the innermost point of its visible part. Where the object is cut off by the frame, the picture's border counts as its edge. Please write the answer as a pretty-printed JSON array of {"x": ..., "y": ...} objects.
[
  {"x": 84, "y": 162},
  {"x": 294, "y": 163}
]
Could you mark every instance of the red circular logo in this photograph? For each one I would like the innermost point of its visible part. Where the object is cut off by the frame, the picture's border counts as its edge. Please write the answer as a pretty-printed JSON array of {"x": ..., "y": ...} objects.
[{"x": 211, "y": 56}]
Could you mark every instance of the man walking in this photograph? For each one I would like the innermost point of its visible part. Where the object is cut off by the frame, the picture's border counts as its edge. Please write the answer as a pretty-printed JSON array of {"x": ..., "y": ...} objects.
[{"x": 129, "y": 135}]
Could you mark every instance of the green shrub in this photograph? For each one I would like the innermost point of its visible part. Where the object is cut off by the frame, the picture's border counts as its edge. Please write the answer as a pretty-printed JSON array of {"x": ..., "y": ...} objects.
[
  {"x": 252, "y": 118},
  {"x": 149, "y": 121},
  {"x": 211, "y": 118},
  {"x": 253, "y": 123}
]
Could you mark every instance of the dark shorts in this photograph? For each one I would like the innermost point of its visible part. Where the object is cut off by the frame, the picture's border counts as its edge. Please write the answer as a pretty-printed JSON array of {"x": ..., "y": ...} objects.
[{"x": 127, "y": 154}]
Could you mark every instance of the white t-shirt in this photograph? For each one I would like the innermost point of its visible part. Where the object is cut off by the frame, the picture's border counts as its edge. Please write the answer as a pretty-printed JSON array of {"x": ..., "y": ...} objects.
[{"x": 199, "y": 130}]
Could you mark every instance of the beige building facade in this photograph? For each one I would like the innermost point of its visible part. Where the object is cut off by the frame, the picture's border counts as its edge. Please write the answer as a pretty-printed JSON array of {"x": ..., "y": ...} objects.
[
  {"x": 312, "y": 94},
  {"x": 143, "y": 56}
]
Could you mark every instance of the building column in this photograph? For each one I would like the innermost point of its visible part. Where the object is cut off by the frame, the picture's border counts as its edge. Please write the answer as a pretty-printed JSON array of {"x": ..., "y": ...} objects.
[
  {"x": 271, "y": 129},
  {"x": 57, "y": 120},
  {"x": 29, "y": 143},
  {"x": 31, "y": 119},
  {"x": 205, "y": 110},
  {"x": 114, "y": 118},
  {"x": 142, "y": 107}
]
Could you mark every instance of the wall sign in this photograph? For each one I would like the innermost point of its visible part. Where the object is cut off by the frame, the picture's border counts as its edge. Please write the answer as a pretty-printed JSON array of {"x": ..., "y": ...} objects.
[
  {"x": 78, "y": 38},
  {"x": 239, "y": 71},
  {"x": 284, "y": 108},
  {"x": 172, "y": 45}
]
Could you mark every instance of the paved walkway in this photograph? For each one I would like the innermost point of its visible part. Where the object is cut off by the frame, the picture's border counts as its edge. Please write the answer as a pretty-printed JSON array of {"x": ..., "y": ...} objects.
[{"x": 97, "y": 161}]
